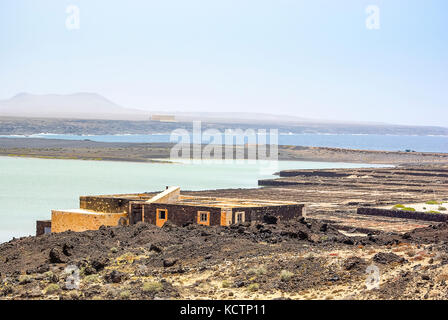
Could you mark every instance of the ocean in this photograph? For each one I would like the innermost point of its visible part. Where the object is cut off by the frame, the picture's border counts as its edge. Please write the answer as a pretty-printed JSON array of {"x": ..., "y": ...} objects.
[{"x": 349, "y": 141}]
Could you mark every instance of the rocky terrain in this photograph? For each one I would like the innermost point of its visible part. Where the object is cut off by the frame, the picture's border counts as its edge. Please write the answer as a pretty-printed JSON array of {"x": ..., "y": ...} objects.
[
  {"x": 332, "y": 253},
  {"x": 299, "y": 260}
]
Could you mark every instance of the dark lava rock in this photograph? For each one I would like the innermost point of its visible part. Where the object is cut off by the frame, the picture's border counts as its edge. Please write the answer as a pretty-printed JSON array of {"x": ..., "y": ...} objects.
[
  {"x": 169, "y": 226},
  {"x": 89, "y": 270},
  {"x": 239, "y": 284},
  {"x": 268, "y": 219},
  {"x": 169, "y": 262},
  {"x": 155, "y": 248},
  {"x": 324, "y": 227},
  {"x": 56, "y": 256},
  {"x": 99, "y": 263},
  {"x": 386, "y": 258},
  {"x": 302, "y": 235},
  {"x": 334, "y": 278},
  {"x": 67, "y": 249},
  {"x": 42, "y": 268},
  {"x": 353, "y": 263},
  {"x": 425, "y": 277},
  {"x": 115, "y": 276},
  {"x": 291, "y": 234},
  {"x": 179, "y": 271}
]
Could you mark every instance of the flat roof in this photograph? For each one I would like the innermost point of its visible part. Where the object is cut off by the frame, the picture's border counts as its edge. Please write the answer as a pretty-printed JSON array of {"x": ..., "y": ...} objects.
[
  {"x": 227, "y": 202},
  {"x": 84, "y": 211},
  {"x": 202, "y": 201}
]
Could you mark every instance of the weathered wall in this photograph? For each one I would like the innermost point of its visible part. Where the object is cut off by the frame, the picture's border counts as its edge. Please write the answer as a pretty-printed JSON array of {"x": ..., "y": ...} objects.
[
  {"x": 180, "y": 214},
  {"x": 440, "y": 217},
  {"x": 170, "y": 195},
  {"x": 41, "y": 225},
  {"x": 283, "y": 213},
  {"x": 63, "y": 221},
  {"x": 103, "y": 204},
  {"x": 135, "y": 212}
]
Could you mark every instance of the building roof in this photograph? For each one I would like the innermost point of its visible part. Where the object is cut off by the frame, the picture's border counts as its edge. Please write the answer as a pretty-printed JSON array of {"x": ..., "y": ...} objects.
[{"x": 227, "y": 202}]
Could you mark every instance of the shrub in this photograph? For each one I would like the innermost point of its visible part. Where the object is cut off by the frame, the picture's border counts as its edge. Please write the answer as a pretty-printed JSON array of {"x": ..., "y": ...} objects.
[
  {"x": 125, "y": 295},
  {"x": 432, "y": 211},
  {"x": 408, "y": 209},
  {"x": 257, "y": 271},
  {"x": 52, "y": 288},
  {"x": 433, "y": 202},
  {"x": 226, "y": 284},
  {"x": 92, "y": 278},
  {"x": 152, "y": 287},
  {"x": 286, "y": 275},
  {"x": 113, "y": 250},
  {"x": 253, "y": 287},
  {"x": 398, "y": 206},
  {"x": 24, "y": 279},
  {"x": 441, "y": 208}
]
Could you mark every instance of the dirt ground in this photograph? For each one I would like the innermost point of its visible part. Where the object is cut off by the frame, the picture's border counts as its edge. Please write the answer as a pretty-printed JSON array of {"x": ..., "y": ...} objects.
[{"x": 298, "y": 260}]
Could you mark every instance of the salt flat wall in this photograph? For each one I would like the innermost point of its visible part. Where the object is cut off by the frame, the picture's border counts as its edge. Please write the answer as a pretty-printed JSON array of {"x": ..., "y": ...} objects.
[{"x": 438, "y": 217}]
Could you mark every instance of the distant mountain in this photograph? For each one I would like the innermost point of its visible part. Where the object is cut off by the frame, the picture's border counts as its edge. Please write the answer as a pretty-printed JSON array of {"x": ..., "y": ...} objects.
[
  {"x": 92, "y": 106},
  {"x": 77, "y": 106},
  {"x": 95, "y": 106}
]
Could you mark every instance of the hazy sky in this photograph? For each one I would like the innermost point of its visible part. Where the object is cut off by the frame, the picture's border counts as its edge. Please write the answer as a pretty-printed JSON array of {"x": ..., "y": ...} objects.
[{"x": 314, "y": 59}]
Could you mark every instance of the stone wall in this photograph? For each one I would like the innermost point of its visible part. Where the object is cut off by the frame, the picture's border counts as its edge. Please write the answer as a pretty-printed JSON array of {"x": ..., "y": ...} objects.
[
  {"x": 437, "y": 217},
  {"x": 42, "y": 226},
  {"x": 135, "y": 212},
  {"x": 78, "y": 221},
  {"x": 283, "y": 213},
  {"x": 180, "y": 214},
  {"x": 312, "y": 173},
  {"x": 104, "y": 204}
]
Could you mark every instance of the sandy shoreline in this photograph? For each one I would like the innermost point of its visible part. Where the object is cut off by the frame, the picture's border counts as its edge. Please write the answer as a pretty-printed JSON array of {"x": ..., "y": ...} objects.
[{"x": 154, "y": 152}]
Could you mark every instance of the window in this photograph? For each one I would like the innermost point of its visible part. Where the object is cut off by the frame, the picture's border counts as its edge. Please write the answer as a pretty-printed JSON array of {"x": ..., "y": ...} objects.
[
  {"x": 240, "y": 217},
  {"x": 162, "y": 214},
  {"x": 204, "y": 218}
]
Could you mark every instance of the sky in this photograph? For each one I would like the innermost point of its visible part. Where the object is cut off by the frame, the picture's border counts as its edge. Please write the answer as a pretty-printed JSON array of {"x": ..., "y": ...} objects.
[{"x": 313, "y": 59}]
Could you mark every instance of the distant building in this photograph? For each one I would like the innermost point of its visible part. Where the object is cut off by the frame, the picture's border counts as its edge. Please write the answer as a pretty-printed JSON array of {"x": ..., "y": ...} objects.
[
  {"x": 169, "y": 205},
  {"x": 163, "y": 118}
]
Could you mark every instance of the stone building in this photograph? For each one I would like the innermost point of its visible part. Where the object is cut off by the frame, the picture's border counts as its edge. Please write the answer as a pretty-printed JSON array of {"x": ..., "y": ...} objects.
[{"x": 169, "y": 205}]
